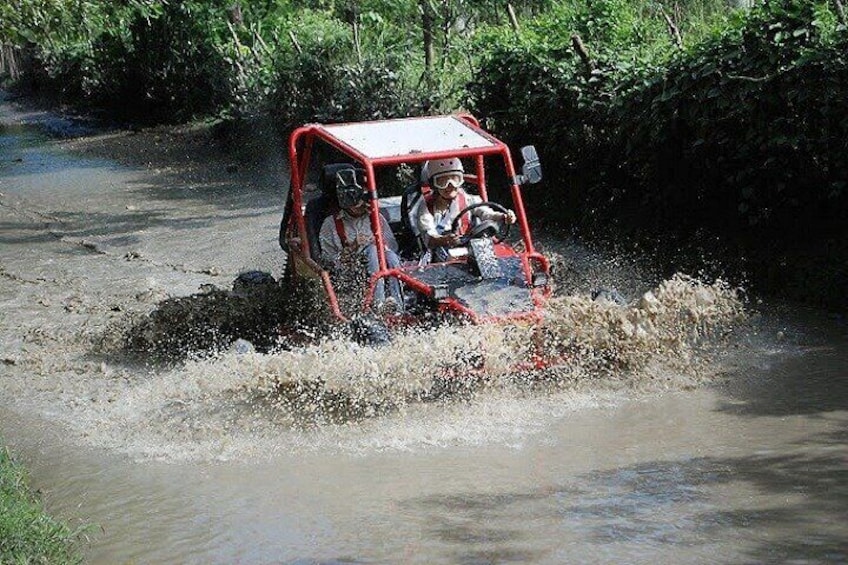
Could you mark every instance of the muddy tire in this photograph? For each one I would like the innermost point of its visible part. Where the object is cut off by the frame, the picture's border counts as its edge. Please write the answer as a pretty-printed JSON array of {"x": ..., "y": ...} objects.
[
  {"x": 369, "y": 331},
  {"x": 249, "y": 282}
]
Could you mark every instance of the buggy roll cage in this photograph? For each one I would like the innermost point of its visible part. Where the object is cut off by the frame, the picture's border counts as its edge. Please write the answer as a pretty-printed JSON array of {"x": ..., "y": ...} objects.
[{"x": 301, "y": 144}]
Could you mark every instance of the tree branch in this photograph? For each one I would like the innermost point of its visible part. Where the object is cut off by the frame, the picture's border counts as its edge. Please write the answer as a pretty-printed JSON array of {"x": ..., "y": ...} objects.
[
  {"x": 672, "y": 29},
  {"x": 295, "y": 44},
  {"x": 577, "y": 43},
  {"x": 840, "y": 11}
]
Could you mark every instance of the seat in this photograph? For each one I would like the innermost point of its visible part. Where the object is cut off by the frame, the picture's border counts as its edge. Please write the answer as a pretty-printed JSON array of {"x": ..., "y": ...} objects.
[
  {"x": 317, "y": 209},
  {"x": 409, "y": 240}
]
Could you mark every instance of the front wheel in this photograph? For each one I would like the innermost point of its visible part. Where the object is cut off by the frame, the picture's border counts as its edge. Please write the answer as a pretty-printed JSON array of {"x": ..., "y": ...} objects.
[{"x": 370, "y": 331}]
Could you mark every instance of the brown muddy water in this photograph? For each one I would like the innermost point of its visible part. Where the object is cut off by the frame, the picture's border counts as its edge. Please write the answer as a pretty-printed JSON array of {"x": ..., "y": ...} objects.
[{"x": 683, "y": 429}]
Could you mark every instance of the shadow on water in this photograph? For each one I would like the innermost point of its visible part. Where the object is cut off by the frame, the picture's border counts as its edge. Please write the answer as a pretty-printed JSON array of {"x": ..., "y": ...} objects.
[
  {"x": 813, "y": 383},
  {"x": 466, "y": 523},
  {"x": 119, "y": 229},
  {"x": 17, "y": 233},
  {"x": 195, "y": 165},
  {"x": 796, "y": 494},
  {"x": 660, "y": 504},
  {"x": 339, "y": 561},
  {"x": 808, "y": 375},
  {"x": 98, "y": 224}
]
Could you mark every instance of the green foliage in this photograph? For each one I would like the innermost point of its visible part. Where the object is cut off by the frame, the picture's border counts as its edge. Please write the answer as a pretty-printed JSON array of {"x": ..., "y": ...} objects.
[
  {"x": 744, "y": 134},
  {"x": 162, "y": 62},
  {"x": 27, "y": 535},
  {"x": 743, "y": 130},
  {"x": 140, "y": 59},
  {"x": 320, "y": 77}
]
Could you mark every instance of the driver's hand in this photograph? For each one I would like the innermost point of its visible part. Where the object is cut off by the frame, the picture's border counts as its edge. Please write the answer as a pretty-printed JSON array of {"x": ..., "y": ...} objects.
[
  {"x": 509, "y": 217},
  {"x": 362, "y": 240}
]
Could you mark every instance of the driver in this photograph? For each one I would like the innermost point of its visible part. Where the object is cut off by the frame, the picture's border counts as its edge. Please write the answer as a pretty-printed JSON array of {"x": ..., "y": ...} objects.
[
  {"x": 347, "y": 235},
  {"x": 436, "y": 211}
]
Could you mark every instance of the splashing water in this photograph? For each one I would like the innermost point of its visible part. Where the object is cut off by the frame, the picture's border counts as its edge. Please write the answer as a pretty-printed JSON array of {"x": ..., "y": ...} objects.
[
  {"x": 445, "y": 385},
  {"x": 579, "y": 337}
]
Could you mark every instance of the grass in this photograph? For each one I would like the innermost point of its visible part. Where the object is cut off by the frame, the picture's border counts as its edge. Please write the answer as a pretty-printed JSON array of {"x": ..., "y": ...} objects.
[{"x": 27, "y": 534}]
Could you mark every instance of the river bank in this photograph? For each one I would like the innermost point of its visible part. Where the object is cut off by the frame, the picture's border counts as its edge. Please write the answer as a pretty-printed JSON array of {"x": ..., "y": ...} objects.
[{"x": 27, "y": 533}]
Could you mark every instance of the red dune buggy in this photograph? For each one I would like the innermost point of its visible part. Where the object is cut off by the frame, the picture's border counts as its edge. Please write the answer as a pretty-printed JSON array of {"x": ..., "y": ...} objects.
[{"x": 490, "y": 275}]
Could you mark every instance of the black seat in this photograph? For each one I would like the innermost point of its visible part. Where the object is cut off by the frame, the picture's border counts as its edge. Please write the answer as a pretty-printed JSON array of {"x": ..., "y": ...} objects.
[{"x": 409, "y": 240}]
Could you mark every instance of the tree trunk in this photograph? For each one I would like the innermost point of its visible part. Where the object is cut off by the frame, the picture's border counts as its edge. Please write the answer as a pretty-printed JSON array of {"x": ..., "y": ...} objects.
[
  {"x": 588, "y": 64},
  {"x": 427, "y": 28},
  {"x": 9, "y": 61},
  {"x": 513, "y": 19},
  {"x": 672, "y": 29}
]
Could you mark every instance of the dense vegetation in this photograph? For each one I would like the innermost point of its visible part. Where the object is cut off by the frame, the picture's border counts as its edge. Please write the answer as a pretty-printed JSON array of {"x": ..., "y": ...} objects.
[
  {"x": 736, "y": 146},
  {"x": 688, "y": 122},
  {"x": 27, "y": 535}
]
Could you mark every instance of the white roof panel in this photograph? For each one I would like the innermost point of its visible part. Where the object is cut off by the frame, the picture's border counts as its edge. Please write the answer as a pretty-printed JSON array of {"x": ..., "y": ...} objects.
[{"x": 393, "y": 138}]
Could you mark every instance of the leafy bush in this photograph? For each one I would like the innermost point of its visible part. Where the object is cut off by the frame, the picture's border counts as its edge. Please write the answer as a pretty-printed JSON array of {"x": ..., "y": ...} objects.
[
  {"x": 744, "y": 135},
  {"x": 323, "y": 79},
  {"x": 745, "y": 131},
  {"x": 162, "y": 63},
  {"x": 146, "y": 61}
]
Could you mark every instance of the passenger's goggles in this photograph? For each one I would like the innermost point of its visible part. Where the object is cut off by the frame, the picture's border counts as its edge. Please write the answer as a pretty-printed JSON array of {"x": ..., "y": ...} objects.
[
  {"x": 444, "y": 180},
  {"x": 351, "y": 195},
  {"x": 350, "y": 189}
]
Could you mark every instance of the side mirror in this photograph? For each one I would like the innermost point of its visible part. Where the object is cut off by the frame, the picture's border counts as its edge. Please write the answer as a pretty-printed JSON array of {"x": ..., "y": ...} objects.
[{"x": 531, "y": 170}]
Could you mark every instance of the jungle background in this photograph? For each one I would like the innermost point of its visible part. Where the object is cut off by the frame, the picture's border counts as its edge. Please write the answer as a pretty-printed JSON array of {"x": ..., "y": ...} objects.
[{"x": 710, "y": 134}]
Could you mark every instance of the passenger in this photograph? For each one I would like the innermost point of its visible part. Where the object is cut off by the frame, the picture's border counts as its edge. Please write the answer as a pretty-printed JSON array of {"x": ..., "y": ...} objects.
[
  {"x": 347, "y": 235},
  {"x": 436, "y": 211}
]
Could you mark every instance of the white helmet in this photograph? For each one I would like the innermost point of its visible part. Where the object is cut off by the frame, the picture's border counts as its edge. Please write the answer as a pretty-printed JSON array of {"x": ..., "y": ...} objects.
[
  {"x": 445, "y": 173},
  {"x": 440, "y": 166}
]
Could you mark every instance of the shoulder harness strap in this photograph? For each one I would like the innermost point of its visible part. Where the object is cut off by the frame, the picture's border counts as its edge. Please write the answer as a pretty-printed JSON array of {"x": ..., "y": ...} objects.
[{"x": 340, "y": 229}]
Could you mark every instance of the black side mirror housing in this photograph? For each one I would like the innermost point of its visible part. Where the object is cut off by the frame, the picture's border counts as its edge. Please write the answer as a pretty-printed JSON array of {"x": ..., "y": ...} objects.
[{"x": 531, "y": 170}]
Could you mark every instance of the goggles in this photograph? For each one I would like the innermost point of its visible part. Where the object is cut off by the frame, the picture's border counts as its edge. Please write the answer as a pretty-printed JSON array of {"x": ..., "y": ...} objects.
[
  {"x": 349, "y": 187},
  {"x": 350, "y": 196},
  {"x": 444, "y": 180}
]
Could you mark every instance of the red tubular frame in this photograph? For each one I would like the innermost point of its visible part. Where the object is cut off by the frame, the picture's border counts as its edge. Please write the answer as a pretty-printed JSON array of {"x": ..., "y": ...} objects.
[{"x": 498, "y": 148}]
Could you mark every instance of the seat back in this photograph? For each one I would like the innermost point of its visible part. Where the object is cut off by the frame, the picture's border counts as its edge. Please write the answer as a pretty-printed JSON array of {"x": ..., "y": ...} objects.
[
  {"x": 317, "y": 210},
  {"x": 409, "y": 241}
]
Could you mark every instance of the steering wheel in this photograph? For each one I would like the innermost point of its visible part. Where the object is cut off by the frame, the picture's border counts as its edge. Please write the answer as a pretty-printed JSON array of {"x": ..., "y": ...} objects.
[{"x": 486, "y": 228}]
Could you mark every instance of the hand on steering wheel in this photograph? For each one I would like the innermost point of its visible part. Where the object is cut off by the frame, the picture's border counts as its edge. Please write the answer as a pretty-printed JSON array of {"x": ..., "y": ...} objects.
[{"x": 486, "y": 228}]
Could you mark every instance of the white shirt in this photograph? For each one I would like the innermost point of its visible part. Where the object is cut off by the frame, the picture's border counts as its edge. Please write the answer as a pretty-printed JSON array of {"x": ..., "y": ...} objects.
[
  {"x": 434, "y": 224},
  {"x": 331, "y": 243}
]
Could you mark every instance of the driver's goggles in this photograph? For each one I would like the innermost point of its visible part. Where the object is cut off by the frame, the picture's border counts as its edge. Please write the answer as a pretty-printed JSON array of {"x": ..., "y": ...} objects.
[{"x": 444, "y": 180}]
